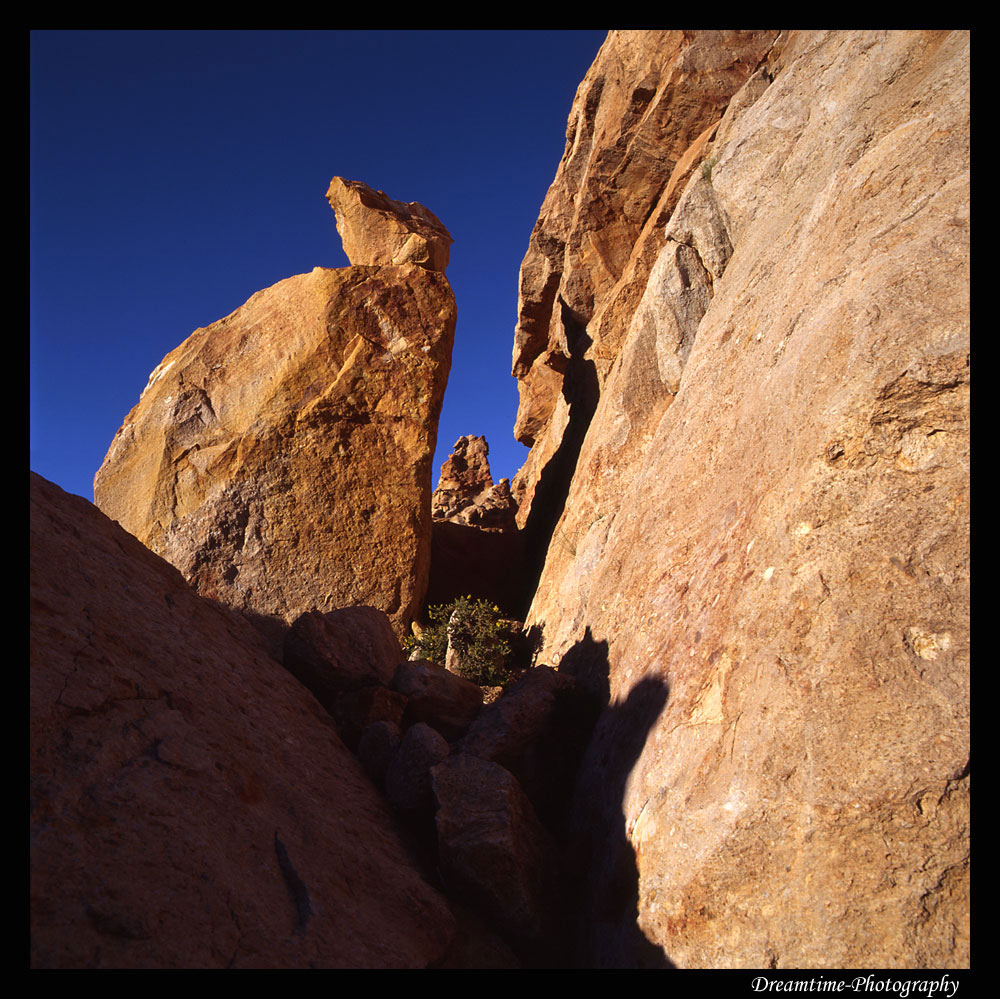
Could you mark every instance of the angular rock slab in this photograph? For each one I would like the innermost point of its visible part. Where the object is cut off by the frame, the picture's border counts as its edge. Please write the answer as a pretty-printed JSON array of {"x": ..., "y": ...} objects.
[
  {"x": 281, "y": 457},
  {"x": 191, "y": 806}
]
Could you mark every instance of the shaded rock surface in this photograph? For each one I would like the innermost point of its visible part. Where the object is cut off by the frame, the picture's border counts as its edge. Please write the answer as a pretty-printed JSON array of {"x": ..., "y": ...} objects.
[
  {"x": 408, "y": 777},
  {"x": 191, "y": 805},
  {"x": 762, "y": 558},
  {"x": 492, "y": 848},
  {"x": 281, "y": 457},
  {"x": 538, "y": 730},
  {"x": 437, "y": 697}
]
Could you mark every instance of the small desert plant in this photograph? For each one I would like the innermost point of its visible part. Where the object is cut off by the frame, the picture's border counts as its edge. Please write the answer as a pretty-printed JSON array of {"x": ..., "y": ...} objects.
[
  {"x": 475, "y": 631},
  {"x": 706, "y": 167}
]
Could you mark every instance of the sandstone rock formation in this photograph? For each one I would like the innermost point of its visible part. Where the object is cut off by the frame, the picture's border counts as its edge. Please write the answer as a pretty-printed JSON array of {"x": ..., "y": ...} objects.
[
  {"x": 377, "y": 231},
  {"x": 191, "y": 805},
  {"x": 281, "y": 457},
  {"x": 465, "y": 492},
  {"x": 636, "y": 123},
  {"x": 744, "y": 360},
  {"x": 476, "y": 548}
]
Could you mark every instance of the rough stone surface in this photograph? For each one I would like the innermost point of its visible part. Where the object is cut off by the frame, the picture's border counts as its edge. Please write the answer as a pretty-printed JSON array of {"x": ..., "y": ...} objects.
[
  {"x": 345, "y": 649},
  {"x": 466, "y": 493},
  {"x": 476, "y": 548},
  {"x": 191, "y": 805},
  {"x": 408, "y": 777},
  {"x": 281, "y": 457},
  {"x": 649, "y": 96},
  {"x": 378, "y": 231},
  {"x": 435, "y": 696},
  {"x": 376, "y": 748},
  {"x": 466, "y": 560},
  {"x": 492, "y": 848},
  {"x": 762, "y": 562},
  {"x": 537, "y": 730}
]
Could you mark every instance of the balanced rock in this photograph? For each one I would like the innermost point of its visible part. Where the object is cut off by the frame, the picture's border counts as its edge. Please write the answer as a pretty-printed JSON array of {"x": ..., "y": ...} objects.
[
  {"x": 281, "y": 457},
  {"x": 191, "y": 806},
  {"x": 377, "y": 231},
  {"x": 761, "y": 549}
]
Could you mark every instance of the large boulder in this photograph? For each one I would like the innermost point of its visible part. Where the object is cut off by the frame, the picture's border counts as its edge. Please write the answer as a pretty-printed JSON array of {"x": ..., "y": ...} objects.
[
  {"x": 762, "y": 560},
  {"x": 437, "y": 697},
  {"x": 281, "y": 457},
  {"x": 191, "y": 805},
  {"x": 492, "y": 849}
]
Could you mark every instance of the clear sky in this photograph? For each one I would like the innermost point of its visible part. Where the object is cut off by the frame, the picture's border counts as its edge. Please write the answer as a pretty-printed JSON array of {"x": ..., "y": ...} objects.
[{"x": 175, "y": 173}]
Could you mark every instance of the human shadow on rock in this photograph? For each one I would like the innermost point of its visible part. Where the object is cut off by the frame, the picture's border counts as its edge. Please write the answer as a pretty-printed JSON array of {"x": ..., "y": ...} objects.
[{"x": 602, "y": 881}]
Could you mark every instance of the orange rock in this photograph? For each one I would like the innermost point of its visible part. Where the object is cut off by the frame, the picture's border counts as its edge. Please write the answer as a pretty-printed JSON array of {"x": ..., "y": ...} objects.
[
  {"x": 756, "y": 521},
  {"x": 281, "y": 457}
]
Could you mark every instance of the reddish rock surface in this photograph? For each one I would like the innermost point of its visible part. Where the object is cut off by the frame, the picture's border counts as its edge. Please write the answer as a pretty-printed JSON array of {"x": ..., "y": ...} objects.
[
  {"x": 281, "y": 457},
  {"x": 763, "y": 552},
  {"x": 441, "y": 699},
  {"x": 191, "y": 806}
]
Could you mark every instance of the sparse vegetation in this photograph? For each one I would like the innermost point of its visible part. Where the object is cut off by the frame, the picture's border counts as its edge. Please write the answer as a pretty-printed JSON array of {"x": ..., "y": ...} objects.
[
  {"x": 706, "y": 167},
  {"x": 476, "y": 632}
]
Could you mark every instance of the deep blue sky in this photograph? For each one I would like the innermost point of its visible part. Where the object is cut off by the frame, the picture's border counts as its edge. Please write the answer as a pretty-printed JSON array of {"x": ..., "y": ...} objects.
[{"x": 175, "y": 173}]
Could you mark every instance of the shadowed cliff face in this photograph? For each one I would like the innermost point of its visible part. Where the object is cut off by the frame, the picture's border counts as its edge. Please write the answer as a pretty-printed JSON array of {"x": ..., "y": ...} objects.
[
  {"x": 602, "y": 893},
  {"x": 768, "y": 509}
]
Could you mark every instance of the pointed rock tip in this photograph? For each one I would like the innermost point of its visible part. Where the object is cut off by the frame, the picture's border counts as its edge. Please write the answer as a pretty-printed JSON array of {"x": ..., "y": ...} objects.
[{"x": 377, "y": 230}]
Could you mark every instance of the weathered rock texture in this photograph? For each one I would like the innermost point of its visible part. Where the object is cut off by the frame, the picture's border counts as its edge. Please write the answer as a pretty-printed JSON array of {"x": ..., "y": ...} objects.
[
  {"x": 191, "y": 805},
  {"x": 638, "y": 119},
  {"x": 465, "y": 492},
  {"x": 762, "y": 560},
  {"x": 281, "y": 457},
  {"x": 377, "y": 230},
  {"x": 476, "y": 548}
]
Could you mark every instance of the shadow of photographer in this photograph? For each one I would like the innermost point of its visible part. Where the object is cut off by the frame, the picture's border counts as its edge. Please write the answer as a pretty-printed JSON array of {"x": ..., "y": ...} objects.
[{"x": 602, "y": 895}]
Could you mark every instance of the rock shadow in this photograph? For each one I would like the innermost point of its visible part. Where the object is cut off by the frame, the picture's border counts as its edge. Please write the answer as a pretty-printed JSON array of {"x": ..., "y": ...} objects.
[
  {"x": 581, "y": 390},
  {"x": 602, "y": 879}
]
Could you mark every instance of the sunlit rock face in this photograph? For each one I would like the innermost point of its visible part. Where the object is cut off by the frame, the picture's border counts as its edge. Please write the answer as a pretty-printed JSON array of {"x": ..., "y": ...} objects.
[
  {"x": 281, "y": 457},
  {"x": 757, "y": 478}
]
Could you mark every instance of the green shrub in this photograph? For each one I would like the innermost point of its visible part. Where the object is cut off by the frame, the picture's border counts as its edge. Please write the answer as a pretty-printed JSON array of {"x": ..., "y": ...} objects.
[{"x": 477, "y": 635}]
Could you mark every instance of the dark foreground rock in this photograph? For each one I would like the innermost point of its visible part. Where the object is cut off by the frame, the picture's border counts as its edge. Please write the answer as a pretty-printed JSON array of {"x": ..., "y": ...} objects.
[{"x": 191, "y": 804}]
